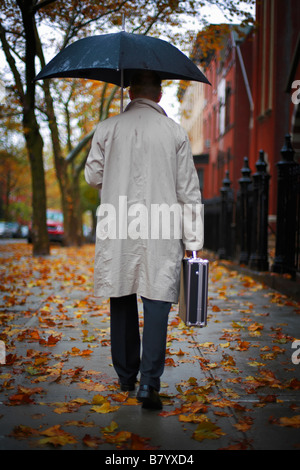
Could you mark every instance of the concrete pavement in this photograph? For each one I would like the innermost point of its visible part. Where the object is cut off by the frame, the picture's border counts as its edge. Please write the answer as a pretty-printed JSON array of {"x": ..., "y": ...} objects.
[{"x": 232, "y": 385}]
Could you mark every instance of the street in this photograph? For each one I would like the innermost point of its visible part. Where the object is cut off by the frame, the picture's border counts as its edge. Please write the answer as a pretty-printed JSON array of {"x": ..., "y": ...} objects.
[{"x": 232, "y": 385}]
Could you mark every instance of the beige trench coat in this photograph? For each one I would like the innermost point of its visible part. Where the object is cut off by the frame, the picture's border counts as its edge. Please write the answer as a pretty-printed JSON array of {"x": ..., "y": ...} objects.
[{"x": 139, "y": 160}]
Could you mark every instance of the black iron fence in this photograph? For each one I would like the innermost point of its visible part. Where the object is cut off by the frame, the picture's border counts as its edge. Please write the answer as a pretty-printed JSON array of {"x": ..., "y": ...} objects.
[{"x": 237, "y": 226}]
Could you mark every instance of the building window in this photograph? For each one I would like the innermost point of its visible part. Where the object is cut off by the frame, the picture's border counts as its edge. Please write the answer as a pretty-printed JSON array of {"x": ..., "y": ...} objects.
[
  {"x": 227, "y": 106},
  {"x": 221, "y": 98}
]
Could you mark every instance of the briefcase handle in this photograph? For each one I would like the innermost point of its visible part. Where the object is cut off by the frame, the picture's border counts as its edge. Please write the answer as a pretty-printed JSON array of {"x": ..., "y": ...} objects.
[{"x": 194, "y": 257}]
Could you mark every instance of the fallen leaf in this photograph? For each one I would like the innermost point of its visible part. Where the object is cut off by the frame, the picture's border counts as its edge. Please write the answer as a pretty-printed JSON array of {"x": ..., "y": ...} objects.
[
  {"x": 244, "y": 424},
  {"x": 92, "y": 387},
  {"x": 215, "y": 308},
  {"x": 293, "y": 422},
  {"x": 170, "y": 362},
  {"x": 83, "y": 424},
  {"x": 118, "y": 438},
  {"x": 238, "y": 446},
  {"x": 105, "y": 408},
  {"x": 193, "y": 418},
  {"x": 207, "y": 430},
  {"x": 140, "y": 443},
  {"x": 56, "y": 437},
  {"x": 111, "y": 428},
  {"x": 98, "y": 400},
  {"x": 22, "y": 431},
  {"x": 92, "y": 442},
  {"x": 243, "y": 346}
]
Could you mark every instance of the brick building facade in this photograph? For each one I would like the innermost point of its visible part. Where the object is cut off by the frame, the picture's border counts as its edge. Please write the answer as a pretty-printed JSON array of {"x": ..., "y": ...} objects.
[{"x": 249, "y": 106}]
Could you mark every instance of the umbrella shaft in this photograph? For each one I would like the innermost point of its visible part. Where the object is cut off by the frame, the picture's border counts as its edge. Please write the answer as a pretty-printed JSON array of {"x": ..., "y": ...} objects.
[{"x": 122, "y": 89}]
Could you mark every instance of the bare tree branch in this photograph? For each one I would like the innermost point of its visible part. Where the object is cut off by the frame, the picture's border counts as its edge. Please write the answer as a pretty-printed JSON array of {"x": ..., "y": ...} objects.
[
  {"x": 11, "y": 61},
  {"x": 73, "y": 154}
]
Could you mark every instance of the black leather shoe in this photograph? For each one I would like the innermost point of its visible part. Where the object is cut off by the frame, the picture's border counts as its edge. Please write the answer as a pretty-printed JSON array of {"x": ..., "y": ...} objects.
[
  {"x": 149, "y": 398},
  {"x": 127, "y": 387}
]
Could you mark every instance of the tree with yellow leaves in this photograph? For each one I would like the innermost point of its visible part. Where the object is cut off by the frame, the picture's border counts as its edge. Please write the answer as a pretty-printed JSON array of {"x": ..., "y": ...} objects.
[{"x": 28, "y": 30}]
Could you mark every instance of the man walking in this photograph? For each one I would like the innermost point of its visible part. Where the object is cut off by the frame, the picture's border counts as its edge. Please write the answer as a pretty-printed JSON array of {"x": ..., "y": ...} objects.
[{"x": 141, "y": 160}]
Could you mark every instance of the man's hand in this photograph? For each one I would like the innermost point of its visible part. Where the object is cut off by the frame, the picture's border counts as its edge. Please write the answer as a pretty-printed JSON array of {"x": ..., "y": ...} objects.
[{"x": 189, "y": 254}]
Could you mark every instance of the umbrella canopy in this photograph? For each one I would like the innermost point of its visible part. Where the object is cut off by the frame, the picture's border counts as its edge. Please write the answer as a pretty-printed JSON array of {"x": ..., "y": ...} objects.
[{"x": 113, "y": 58}]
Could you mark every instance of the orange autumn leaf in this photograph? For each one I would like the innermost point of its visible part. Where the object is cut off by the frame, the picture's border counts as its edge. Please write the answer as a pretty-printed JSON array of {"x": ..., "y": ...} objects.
[
  {"x": 20, "y": 399},
  {"x": 216, "y": 308},
  {"x": 105, "y": 408},
  {"x": 170, "y": 362},
  {"x": 118, "y": 438},
  {"x": 111, "y": 428},
  {"x": 30, "y": 391},
  {"x": 40, "y": 361},
  {"x": 77, "y": 352},
  {"x": 24, "y": 395},
  {"x": 222, "y": 413},
  {"x": 131, "y": 402},
  {"x": 129, "y": 441},
  {"x": 34, "y": 335},
  {"x": 268, "y": 399},
  {"x": 176, "y": 353},
  {"x": 244, "y": 424},
  {"x": 255, "y": 326},
  {"x": 140, "y": 443},
  {"x": 92, "y": 442},
  {"x": 119, "y": 397},
  {"x": 82, "y": 424},
  {"x": 31, "y": 335},
  {"x": 98, "y": 400},
  {"x": 22, "y": 431},
  {"x": 239, "y": 446},
  {"x": 243, "y": 346},
  {"x": 193, "y": 418},
  {"x": 65, "y": 407},
  {"x": 56, "y": 437},
  {"x": 51, "y": 341},
  {"x": 92, "y": 386},
  {"x": 293, "y": 422},
  {"x": 294, "y": 384},
  {"x": 207, "y": 430},
  {"x": 166, "y": 414}
]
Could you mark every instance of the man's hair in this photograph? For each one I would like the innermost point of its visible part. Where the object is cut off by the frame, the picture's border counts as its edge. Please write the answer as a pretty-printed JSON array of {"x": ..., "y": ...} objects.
[{"x": 145, "y": 84}]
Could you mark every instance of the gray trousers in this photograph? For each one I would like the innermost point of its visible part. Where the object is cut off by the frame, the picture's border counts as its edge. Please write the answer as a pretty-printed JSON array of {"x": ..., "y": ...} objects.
[{"x": 126, "y": 343}]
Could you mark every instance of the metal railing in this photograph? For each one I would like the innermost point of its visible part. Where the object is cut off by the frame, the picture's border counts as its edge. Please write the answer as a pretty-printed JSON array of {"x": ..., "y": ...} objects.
[{"x": 236, "y": 226}]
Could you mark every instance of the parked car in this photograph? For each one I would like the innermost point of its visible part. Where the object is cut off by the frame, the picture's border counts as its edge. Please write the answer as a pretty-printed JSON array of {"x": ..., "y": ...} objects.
[
  {"x": 11, "y": 230},
  {"x": 55, "y": 226},
  {"x": 5, "y": 230},
  {"x": 15, "y": 229},
  {"x": 24, "y": 229}
]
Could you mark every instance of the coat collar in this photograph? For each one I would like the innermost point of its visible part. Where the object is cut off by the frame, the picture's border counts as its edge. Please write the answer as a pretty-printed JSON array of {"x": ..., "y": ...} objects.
[{"x": 145, "y": 103}]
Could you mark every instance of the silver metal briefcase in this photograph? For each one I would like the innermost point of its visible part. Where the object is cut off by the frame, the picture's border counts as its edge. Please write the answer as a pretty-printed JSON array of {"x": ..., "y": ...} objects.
[{"x": 194, "y": 291}]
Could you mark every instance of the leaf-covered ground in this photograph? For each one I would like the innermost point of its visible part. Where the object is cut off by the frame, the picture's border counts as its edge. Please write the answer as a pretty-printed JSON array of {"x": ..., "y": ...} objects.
[{"x": 232, "y": 385}]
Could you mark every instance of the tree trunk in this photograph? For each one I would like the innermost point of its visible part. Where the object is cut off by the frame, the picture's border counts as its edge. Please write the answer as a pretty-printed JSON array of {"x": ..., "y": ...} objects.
[
  {"x": 77, "y": 220},
  {"x": 34, "y": 145},
  {"x": 72, "y": 235},
  {"x": 34, "y": 141}
]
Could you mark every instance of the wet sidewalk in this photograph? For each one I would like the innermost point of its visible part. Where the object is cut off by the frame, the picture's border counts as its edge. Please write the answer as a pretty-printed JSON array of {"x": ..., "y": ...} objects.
[{"x": 232, "y": 385}]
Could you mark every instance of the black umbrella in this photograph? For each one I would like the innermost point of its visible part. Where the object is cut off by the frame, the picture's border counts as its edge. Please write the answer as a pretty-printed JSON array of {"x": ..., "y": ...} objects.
[{"x": 113, "y": 58}]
